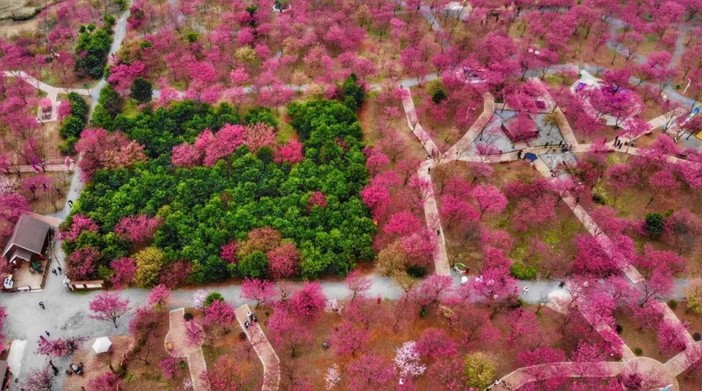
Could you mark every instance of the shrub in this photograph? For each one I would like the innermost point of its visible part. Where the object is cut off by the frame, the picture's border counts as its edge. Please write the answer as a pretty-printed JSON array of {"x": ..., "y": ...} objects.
[
  {"x": 599, "y": 198},
  {"x": 416, "y": 271},
  {"x": 149, "y": 262},
  {"x": 91, "y": 51},
  {"x": 254, "y": 265},
  {"x": 188, "y": 316},
  {"x": 353, "y": 93},
  {"x": 522, "y": 271},
  {"x": 619, "y": 328},
  {"x": 260, "y": 114},
  {"x": 141, "y": 90},
  {"x": 479, "y": 369},
  {"x": 654, "y": 225},
  {"x": 638, "y": 352},
  {"x": 438, "y": 97},
  {"x": 697, "y": 336},
  {"x": 212, "y": 297},
  {"x": 673, "y": 304}
]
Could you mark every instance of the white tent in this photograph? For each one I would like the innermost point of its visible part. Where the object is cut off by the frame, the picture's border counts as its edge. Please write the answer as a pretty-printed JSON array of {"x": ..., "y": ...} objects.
[{"x": 101, "y": 345}]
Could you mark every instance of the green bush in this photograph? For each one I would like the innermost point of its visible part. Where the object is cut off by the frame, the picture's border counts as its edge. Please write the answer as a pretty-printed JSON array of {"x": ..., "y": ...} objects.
[
  {"x": 91, "y": 51},
  {"x": 654, "y": 225},
  {"x": 72, "y": 127},
  {"x": 254, "y": 265},
  {"x": 599, "y": 198},
  {"x": 522, "y": 271},
  {"x": 67, "y": 147},
  {"x": 260, "y": 114},
  {"x": 109, "y": 20},
  {"x": 212, "y": 297},
  {"x": 192, "y": 37},
  {"x": 141, "y": 90},
  {"x": 438, "y": 97},
  {"x": 638, "y": 352},
  {"x": 673, "y": 304},
  {"x": 78, "y": 106},
  {"x": 416, "y": 271},
  {"x": 353, "y": 93}
]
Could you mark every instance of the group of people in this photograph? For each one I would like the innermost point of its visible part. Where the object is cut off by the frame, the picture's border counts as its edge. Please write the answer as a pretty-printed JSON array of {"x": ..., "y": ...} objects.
[
  {"x": 618, "y": 143},
  {"x": 251, "y": 319}
]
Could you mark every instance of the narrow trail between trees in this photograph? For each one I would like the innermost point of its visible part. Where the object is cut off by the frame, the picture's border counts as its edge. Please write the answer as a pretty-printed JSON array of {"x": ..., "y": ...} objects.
[
  {"x": 264, "y": 350},
  {"x": 177, "y": 345}
]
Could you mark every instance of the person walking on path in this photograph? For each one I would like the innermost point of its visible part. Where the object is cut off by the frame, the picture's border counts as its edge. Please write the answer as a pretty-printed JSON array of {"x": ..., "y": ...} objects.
[
  {"x": 41, "y": 304},
  {"x": 54, "y": 272},
  {"x": 47, "y": 333},
  {"x": 60, "y": 271},
  {"x": 525, "y": 290}
]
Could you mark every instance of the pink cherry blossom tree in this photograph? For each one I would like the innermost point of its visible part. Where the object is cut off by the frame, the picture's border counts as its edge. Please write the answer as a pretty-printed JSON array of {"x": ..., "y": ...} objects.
[
  {"x": 219, "y": 314},
  {"x": 228, "y": 251},
  {"x": 283, "y": 261},
  {"x": 434, "y": 343},
  {"x": 106, "y": 381},
  {"x": 79, "y": 223},
  {"x": 370, "y": 372},
  {"x": 349, "y": 338},
  {"x": 58, "y": 347},
  {"x": 108, "y": 306},
  {"x": 289, "y": 332},
  {"x": 137, "y": 229},
  {"x": 262, "y": 291},
  {"x": 124, "y": 271},
  {"x": 159, "y": 296},
  {"x": 408, "y": 362},
  {"x": 308, "y": 302},
  {"x": 489, "y": 199},
  {"x": 358, "y": 284}
]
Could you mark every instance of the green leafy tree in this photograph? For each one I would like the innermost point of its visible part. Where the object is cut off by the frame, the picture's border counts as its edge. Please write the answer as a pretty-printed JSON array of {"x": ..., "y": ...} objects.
[
  {"x": 523, "y": 271},
  {"x": 479, "y": 369},
  {"x": 254, "y": 265},
  {"x": 654, "y": 225},
  {"x": 71, "y": 127},
  {"x": 438, "y": 97},
  {"x": 91, "y": 51},
  {"x": 353, "y": 93},
  {"x": 693, "y": 293},
  {"x": 149, "y": 263},
  {"x": 141, "y": 90},
  {"x": 260, "y": 114},
  {"x": 214, "y": 296}
]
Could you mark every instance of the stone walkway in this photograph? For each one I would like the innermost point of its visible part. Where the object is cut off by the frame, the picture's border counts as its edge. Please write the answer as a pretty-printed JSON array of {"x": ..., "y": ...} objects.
[
  {"x": 51, "y": 92},
  {"x": 458, "y": 149},
  {"x": 264, "y": 350},
  {"x": 180, "y": 347}
]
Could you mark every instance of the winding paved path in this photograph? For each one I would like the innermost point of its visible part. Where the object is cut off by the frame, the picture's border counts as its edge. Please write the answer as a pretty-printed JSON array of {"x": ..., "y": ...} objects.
[
  {"x": 177, "y": 340},
  {"x": 264, "y": 350}
]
